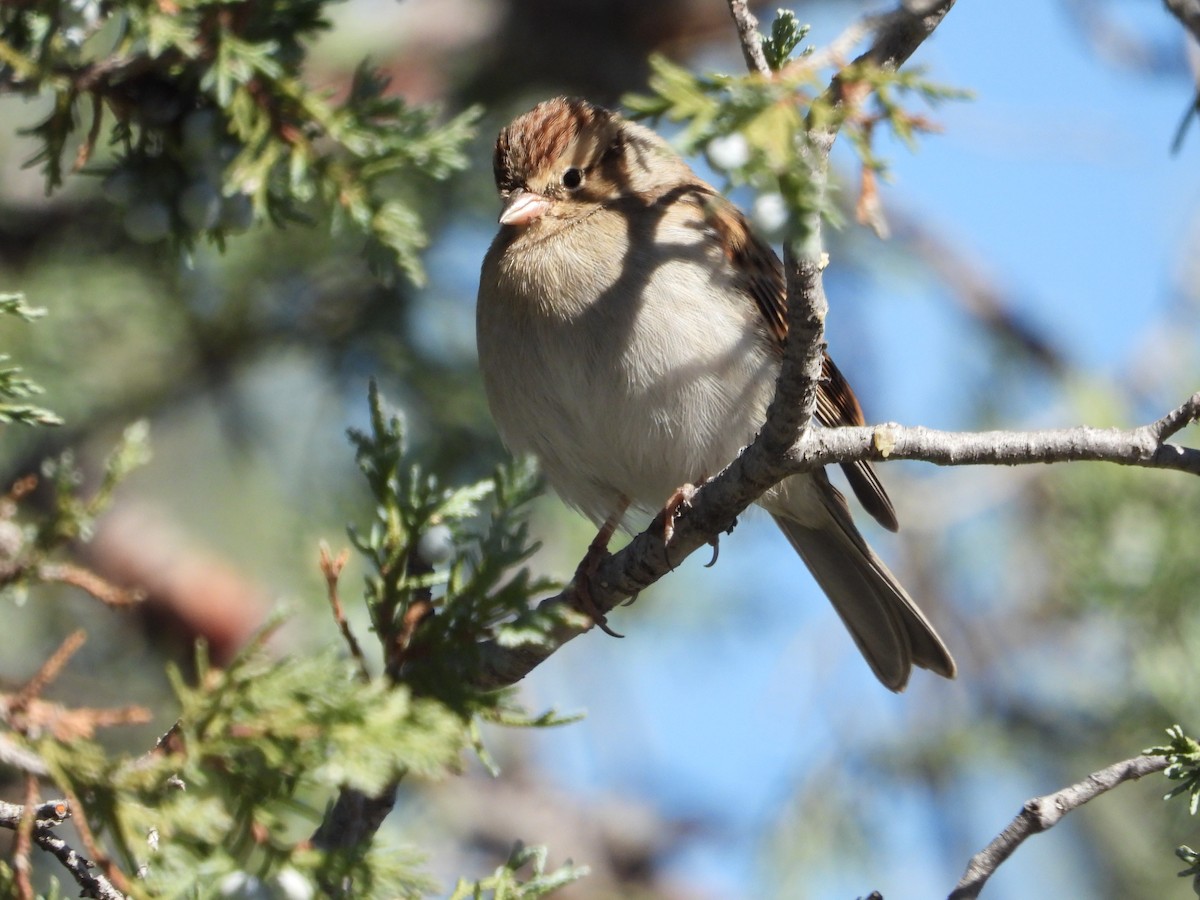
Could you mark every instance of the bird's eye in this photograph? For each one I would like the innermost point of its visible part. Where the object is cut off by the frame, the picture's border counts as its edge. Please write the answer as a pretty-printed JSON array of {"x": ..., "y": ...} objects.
[{"x": 572, "y": 178}]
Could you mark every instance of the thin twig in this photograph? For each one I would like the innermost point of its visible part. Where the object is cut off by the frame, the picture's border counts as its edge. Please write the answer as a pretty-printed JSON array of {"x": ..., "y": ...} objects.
[
  {"x": 88, "y": 838},
  {"x": 20, "y": 758},
  {"x": 1176, "y": 420},
  {"x": 85, "y": 579},
  {"x": 331, "y": 568},
  {"x": 352, "y": 820},
  {"x": 1140, "y": 447},
  {"x": 24, "y": 842},
  {"x": 1043, "y": 813},
  {"x": 751, "y": 40},
  {"x": 93, "y": 136},
  {"x": 49, "y": 671}
]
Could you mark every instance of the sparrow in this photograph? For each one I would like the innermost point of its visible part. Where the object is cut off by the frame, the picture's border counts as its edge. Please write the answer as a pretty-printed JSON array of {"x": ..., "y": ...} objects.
[{"x": 630, "y": 328}]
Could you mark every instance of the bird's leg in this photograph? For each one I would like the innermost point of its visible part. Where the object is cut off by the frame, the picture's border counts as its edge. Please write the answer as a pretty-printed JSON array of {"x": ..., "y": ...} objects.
[{"x": 597, "y": 551}]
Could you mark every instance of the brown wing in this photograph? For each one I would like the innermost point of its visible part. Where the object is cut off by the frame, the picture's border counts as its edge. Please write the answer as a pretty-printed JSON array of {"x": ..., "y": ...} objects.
[{"x": 836, "y": 403}]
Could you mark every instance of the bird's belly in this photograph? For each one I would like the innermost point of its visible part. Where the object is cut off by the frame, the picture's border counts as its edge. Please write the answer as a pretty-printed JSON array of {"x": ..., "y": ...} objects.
[
  {"x": 682, "y": 423},
  {"x": 631, "y": 399}
]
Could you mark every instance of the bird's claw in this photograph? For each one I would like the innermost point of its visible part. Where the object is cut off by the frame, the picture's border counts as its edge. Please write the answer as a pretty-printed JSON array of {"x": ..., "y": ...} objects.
[
  {"x": 597, "y": 552},
  {"x": 586, "y": 604}
]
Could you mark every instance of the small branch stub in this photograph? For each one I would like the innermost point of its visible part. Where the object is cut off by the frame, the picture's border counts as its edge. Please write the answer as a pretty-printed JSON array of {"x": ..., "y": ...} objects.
[{"x": 883, "y": 440}]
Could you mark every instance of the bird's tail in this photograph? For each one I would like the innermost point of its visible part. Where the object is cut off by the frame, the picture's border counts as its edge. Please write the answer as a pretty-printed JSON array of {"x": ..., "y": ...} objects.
[{"x": 890, "y": 631}]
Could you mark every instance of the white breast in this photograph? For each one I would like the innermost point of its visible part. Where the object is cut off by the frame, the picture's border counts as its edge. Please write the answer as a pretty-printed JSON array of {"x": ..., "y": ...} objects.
[{"x": 626, "y": 373}]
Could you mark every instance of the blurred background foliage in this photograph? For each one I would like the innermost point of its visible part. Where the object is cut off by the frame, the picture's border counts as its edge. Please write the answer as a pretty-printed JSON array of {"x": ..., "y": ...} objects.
[{"x": 735, "y": 745}]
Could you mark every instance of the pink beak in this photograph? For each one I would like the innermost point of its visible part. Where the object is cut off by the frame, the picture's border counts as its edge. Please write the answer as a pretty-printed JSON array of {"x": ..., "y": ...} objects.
[{"x": 523, "y": 207}]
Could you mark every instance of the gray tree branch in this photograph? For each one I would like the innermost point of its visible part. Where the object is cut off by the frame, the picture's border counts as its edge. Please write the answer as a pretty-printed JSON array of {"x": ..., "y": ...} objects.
[
  {"x": 91, "y": 883},
  {"x": 1043, "y": 813},
  {"x": 48, "y": 815},
  {"x": 899, "y": 33},
  {"x": 1188, "y": 14},
  {"x": 1144, "y": 447}
]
